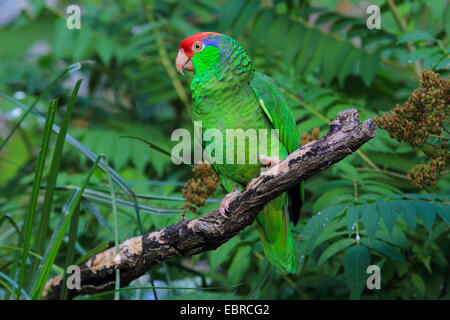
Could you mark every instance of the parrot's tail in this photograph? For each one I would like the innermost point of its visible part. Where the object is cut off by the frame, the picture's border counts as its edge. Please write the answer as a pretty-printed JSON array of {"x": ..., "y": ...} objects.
[{"x": 275, "y": 233}]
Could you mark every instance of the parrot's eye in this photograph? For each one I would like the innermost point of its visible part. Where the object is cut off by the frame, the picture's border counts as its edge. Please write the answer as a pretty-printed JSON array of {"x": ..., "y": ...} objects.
[{"x": 198, "y": 46}]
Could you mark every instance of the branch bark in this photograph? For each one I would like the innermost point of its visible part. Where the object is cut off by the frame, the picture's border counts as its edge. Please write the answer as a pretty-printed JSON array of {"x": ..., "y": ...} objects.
[{"x": 138, "y": 254}]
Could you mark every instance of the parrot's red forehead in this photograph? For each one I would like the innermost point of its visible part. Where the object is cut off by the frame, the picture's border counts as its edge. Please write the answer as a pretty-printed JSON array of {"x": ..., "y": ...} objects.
[{"x": 187, "y": 43}]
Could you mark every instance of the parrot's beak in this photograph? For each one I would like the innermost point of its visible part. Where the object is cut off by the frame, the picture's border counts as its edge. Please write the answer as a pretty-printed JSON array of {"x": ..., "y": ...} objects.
[{"x": 183, "y": 62}]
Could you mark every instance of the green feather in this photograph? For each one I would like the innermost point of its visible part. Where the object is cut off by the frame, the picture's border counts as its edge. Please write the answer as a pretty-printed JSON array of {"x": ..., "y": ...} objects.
[{"x": 229, "y": 94}]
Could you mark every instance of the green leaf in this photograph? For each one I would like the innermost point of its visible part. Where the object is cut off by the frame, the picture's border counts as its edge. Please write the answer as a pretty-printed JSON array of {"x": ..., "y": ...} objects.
[
  {"x": 307, "y": 49},
  {"x": 273, "y": 40},
  {"x": 408, "y": 212},
  {"x": 245, "y": 16},
  {"x": 122, "y": 153},
  {"x": 422, "y": 53},
  {"x": 356, "y": 260},
  {"x": 447, "y": 20},
  {"x": 426, "y": 213},
  {"x": 370, "y": 219},
  {"x": 416, "y": 35},
  {"x": 352, "y": 217},
  {"x": 239, "y": 265},
  {"x": 418, "y": 282},
  {"x": 333, "y": 58},
  {"x": 346, "y": 167},
  {"x": 385, "y": 249},
  {"x": 386, "y": 210},
  {"x": 105, "y": 48},
  {"x": 319, "y": 52},
  {"x": 397, "y": 237},
  {"x": 348, "y": 64},
  {"x": 139, "y": 156},
  {"x": 223, "y": 253},
  {"x": 262, "y": 24},
  {"x": 443, "y": 210},
  {"x": 326, "y": 236},
  {"x": 336, "y": 196},
  {"x": 229, "y": 11},
  {"x": 315, "y": 226},
  {"x": 369, "y": 67},
  {"x": 83, "y": 44},
  {"x": 334, "y": 249},
  {"x": 292, "y": 42}
]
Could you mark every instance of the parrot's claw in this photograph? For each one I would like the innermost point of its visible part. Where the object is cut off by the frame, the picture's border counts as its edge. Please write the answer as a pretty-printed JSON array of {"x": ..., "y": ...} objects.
[
  {"x": 268, "y": 162},
  {"x": 224, "y": 204}
]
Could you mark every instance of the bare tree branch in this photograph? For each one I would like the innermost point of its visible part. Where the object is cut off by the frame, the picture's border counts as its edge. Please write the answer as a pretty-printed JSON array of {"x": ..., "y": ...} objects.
[{"x": 190, "y": 237}]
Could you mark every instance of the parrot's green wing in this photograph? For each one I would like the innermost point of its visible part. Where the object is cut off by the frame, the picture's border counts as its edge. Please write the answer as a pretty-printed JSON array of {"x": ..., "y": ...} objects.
[{"x": 274, "y": 104}]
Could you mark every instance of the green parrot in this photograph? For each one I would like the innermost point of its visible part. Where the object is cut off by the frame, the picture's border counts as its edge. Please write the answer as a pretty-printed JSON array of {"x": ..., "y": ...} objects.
[{"x": 228, "y": 93}]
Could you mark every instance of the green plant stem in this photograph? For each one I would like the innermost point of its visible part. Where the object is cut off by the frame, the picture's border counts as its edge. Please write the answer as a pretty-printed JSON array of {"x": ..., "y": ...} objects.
[
  {"x": 404, "y": 28},
  {"x": 357, "y": 234},
  {"x": 389, "y": 173},
  {"x": 296, "y": 288}
]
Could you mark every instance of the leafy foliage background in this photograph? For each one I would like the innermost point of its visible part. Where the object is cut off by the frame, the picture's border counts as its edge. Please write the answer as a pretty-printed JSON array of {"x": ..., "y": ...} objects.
[{"x": 361, "y": 211}]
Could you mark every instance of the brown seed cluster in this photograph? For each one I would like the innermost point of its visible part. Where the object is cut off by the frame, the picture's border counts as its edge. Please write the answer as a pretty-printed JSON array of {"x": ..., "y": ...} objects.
[
  {"x": 307, "y": 138},
  {"x": 437, "y": 156},
  {"x": 200, "y": 187},
  {"x": 423, "y": 116}
]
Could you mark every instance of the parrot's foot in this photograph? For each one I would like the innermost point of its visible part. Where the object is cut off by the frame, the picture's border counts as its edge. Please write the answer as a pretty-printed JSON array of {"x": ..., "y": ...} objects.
[
  {"x": 268, "y": 161},
  {"x": 223, "y": 207}
]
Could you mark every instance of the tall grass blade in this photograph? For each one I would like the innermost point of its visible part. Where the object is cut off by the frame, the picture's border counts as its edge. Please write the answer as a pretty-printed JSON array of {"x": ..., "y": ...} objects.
[
  {"x": 54, "y": 169},
  {"x": 14, "y": 285},
  {"x": 55, "y": 267},
  {"x": 28, "y": 225},
  {"x": 57, "y": 237},
  {"x": 116, "y": 230},
  {"x": 96, "y": 212},
  {"x": 91, "y": 156},
  {"x": 70, "y": 248},
  {"x": 8, "y": 218},
  {"x": 106, "y": 198}
]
